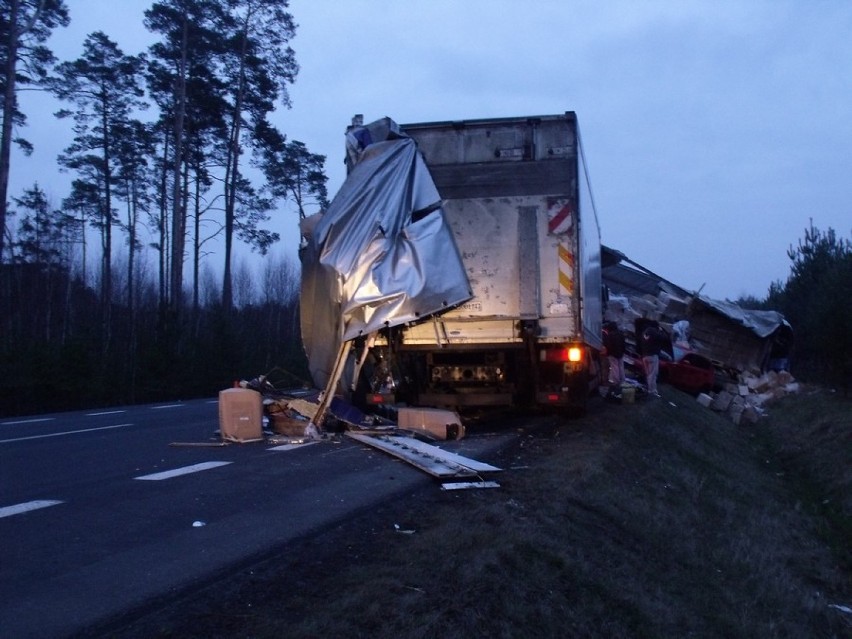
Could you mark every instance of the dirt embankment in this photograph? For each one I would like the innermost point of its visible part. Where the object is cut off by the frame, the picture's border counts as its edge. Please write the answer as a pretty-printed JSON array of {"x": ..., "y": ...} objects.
[{"x": 658, "y": 519}]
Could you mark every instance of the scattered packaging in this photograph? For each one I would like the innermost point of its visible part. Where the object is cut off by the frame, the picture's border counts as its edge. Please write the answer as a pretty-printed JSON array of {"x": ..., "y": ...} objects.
[
  {"x": 436, "y": 422},
  {"x": 240, "y": 414}
]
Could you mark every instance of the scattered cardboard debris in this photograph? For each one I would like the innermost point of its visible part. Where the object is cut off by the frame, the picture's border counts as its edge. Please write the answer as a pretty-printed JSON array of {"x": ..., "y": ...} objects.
[
  {"x": 240, "y": 415},
  {"x": 745, "y": 400},
  {"x": 437, "y": 423}
]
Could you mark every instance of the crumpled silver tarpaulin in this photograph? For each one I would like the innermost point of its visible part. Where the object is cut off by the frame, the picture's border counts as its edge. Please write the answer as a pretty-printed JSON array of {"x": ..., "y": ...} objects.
[{"x": 381, "y": 255}]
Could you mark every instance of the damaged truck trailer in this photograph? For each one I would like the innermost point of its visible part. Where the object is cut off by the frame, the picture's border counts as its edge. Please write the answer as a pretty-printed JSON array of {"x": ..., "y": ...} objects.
[{"x": 515, "y": 196}]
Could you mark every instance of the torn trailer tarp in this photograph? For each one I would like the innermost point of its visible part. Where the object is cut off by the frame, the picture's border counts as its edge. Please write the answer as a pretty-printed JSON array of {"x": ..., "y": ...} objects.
[
  {"x": 761, "y": 323},
  {"x": 381, "y": 255}
]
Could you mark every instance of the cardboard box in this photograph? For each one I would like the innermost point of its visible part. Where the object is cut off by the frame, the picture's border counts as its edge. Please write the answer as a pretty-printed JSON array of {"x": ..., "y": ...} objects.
[
  {"x": 436, "y": 422},
  {"x": 704, "y": 399},
  {"x": 283, "y": 424},
  {"x": 240, "y": 414}
]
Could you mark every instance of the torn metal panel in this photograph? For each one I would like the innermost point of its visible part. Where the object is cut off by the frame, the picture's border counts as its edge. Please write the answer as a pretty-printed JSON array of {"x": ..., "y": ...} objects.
[
  {"x": 431, "y": 459},
  {"x": 467, "y": 462},
  {"x": 464, "y": 485},
  {"x": 382, "y": 255}
]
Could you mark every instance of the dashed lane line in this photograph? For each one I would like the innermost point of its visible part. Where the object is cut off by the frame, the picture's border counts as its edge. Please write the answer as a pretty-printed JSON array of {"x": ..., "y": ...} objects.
[
  {"x": 66, "y": 432},
  {"x": 186, "y": 470},
  {"x": 17, "y": 509},
  {"x": 35, "y": 420}
]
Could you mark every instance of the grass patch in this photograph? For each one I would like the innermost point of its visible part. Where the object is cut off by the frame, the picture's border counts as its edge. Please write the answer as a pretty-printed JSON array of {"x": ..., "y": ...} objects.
[{"x": 658, "y": 519}]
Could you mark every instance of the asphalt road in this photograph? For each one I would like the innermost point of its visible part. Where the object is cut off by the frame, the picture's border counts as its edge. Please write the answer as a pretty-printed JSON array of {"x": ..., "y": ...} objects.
[{"x": 100, "y": 514}]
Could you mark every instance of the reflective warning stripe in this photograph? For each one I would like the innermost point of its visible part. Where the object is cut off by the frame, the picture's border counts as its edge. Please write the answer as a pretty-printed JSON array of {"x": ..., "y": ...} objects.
[
  {"x": 566, "y": 270},
  {"x": 559, "y": 220}
]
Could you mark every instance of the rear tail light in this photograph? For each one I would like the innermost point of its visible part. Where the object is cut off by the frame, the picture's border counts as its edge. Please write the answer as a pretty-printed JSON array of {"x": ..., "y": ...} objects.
[{"x": 573, "y": 354}]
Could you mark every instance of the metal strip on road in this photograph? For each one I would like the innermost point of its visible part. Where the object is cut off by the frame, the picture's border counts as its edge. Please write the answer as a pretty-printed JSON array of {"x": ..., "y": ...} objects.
[
  {"x": 26, "y": 507},
  {"x": 67, "y": 432},
  {"x": 445, "y": 455},
  {"x": 463, "y": 485},
  {"x": 186, "y": 470},
  {"x": 433, "y": 460},
  {"x": 292, "y": 446}
]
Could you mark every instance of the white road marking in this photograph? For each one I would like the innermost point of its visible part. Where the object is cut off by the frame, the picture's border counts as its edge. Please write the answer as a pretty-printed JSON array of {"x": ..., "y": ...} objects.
[
  {"x": 67, "y": 432},
  {"x": 107, "y": 412},
  {"x": 17, "y": 509},
  {"x": 166, "y": 406},
  {"x": 28, "y": 421},
  {"x": 186, "y": 470}
]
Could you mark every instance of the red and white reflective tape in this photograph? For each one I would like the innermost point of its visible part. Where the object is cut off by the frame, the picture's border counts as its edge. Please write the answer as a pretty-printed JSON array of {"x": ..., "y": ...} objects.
[{"x": 559, "y": 216}]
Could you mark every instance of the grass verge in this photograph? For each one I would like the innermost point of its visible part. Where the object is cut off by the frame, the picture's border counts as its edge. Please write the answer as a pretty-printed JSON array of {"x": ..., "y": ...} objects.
[{"x": 658, "y": 519}]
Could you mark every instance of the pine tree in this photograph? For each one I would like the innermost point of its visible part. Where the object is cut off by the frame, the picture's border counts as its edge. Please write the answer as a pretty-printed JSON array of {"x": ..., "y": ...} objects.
[
  {"x": 817, "y": 301},
  {"x": 104, "y": 87},
  {"x": 25, "y": 25},
  {"x": 258, "y": 65}
]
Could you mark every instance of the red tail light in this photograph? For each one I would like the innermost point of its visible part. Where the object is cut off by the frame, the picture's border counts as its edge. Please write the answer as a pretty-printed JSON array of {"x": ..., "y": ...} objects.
[{"x": 573, "y": 354}]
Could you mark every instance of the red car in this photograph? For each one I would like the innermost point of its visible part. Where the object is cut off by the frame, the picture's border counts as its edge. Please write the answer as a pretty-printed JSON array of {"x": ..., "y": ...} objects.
[{"x": 693, "y": 373}]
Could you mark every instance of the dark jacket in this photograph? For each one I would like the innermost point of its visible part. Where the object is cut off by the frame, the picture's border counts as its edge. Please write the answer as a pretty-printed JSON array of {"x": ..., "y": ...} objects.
[
  {"x": 654, "y": 340},
  {"x": 613, "y": 340}
]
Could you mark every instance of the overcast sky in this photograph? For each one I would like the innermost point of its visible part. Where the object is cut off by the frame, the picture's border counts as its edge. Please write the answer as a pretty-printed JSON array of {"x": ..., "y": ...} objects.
[{"x": 714, "y": 131}]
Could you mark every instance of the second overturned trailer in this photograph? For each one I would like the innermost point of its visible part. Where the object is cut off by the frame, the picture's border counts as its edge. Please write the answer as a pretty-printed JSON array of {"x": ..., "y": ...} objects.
[{"x": 514, "y": 202}]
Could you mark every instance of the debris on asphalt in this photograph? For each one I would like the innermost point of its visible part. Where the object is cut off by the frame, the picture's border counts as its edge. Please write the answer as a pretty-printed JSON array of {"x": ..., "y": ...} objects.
[{"x": 464, "y": 485}]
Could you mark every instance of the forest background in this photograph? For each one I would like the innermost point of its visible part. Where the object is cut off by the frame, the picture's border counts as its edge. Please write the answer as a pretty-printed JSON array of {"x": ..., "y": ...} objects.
[{"x": 175, "y": 144}]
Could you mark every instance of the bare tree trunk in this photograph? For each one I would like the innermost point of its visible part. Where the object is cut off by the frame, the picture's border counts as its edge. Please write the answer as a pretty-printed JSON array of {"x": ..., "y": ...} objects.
[
  {"x": 162, "y": 227},
  {"x": 232, "y": 173},
  {"x": 178, "y": 210},
  {"x": 196, "y": 259},
  {"x": 196, "y": 244},
  {"x": 8, "y": 111}
]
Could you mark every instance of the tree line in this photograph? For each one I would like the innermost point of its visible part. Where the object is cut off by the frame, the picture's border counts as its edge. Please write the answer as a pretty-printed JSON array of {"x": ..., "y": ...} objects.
[
  {"x": 816, "y": 299},
  {"x": 174, "y": 143}
]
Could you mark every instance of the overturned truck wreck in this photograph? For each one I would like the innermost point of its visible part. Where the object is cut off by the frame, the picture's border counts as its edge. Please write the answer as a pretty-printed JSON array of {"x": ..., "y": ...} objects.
[
  {"x": 733, "y": 339},
  {"x": 459, "y": 265}
]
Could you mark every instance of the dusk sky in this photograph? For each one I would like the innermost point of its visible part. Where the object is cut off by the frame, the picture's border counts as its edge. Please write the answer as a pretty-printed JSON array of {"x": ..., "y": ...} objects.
[{"x": 714, "y": 131}]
